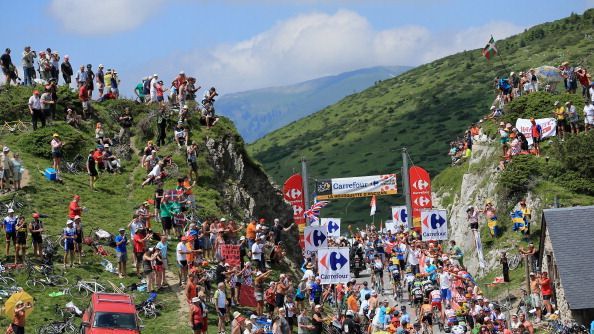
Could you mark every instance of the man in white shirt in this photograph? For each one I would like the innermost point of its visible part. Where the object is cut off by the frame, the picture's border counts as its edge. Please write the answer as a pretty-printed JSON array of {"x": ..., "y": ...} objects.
[
  {"x": 180, "y": 255},
  {"x": 413, "y": 260},
  {"x": 257, "y": 251},
  {"x": 221, "y": 302},
  {"x": 35, "y": 110},
  {"x": 444, "y": 279},
  {"x": 153, "y": 88}
]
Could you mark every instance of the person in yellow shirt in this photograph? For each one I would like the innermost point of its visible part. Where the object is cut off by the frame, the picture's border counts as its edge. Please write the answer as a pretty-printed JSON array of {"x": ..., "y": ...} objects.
[{"x": 560, "y": 115}]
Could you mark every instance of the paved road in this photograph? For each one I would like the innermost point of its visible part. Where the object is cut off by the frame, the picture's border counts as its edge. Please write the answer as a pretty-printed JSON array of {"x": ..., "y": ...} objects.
[{"x": 389, "y": 294}]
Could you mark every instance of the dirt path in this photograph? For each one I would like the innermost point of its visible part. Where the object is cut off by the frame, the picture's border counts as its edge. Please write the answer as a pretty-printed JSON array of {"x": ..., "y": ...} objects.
[{"x": 173, "y": 280}]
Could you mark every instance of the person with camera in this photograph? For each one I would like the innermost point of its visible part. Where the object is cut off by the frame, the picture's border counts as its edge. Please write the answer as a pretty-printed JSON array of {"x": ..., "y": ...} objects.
[
  {"x": 125, "y": 123},
  {"x": 209, "y": 110},
  {"x": 28, "y": 68}
]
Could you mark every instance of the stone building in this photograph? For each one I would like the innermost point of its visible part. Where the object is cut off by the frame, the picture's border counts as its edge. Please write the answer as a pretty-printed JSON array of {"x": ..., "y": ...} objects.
[{"x": 567, "y": 254}]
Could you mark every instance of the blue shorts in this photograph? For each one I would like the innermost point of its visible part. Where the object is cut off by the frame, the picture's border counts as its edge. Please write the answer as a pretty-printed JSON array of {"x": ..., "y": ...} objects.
[
  {"x": 69, "y": 246},
  {"x": 446, "y": 294}
]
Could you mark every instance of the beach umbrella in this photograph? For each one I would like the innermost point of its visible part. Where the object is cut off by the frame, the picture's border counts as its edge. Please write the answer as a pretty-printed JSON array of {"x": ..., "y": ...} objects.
[
  {"x": 14, "y": 299},
  {"x": 548, "y": 74}
]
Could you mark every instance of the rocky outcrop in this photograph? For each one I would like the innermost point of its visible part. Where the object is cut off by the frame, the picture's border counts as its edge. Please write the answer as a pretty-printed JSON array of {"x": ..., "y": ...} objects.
[{"x": 247, "y": 191}]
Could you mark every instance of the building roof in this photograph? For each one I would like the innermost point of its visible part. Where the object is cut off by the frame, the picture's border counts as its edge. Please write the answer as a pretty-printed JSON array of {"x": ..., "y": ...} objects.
[{"x": 571, "y": 231}]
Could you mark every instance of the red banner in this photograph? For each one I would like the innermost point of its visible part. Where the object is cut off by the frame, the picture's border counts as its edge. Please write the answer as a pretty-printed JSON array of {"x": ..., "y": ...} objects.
[
  {"x": 293, "y": 193},
  {"x": 246, "y": 296},
  {"x": 420, "y": 192},
  {"x": 231, "y": 254}
]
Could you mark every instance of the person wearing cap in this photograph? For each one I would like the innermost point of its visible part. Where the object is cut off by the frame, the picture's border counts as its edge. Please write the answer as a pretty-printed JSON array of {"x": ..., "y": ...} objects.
[
  {"x": 236, "y": 323},
  {"x": 121, "y": 242},
  {"x": 56, "y": 146},
  {"x": 74, "y": 208},
  {"x": 100, "y": 78},
  {"x": 35, "y": 109},
  {"x": 221, "y": 303},
  {"x": 69, "y": 236},
  {"x": 79, "y": 237},
  {"x": 6, "y": 170},
  {"x": 9, "y": 225},
  {"x": 36, "y": 230},
  {"x": 258, "y": 253},
  {"x": 181, "y": 135},
  {"x": 259, "y": 289},
  {"x": 196, "y": 315},
  {"x": 17, "y": 325}
]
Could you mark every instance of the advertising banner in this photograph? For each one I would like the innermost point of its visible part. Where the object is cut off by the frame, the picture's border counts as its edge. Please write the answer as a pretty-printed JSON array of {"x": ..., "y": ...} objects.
[
  {"x": 315, "y": 238},
  {"x": 547, "y": 125},
  {"x": 333, "y": 265},
  {"x": 332, "y": 225},
  {"x": 420, "y": 193},
  {"x": 434, "y": 225},
  {"x": 231, "y": 254},
  {"x": 293, "y": 193},
  {"x": 351, "y": 187},
  {"x": 400, "y": 216}
]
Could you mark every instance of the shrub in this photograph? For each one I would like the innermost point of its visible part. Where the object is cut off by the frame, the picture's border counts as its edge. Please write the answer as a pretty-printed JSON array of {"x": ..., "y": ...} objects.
[{"x": 38, "y": 142}]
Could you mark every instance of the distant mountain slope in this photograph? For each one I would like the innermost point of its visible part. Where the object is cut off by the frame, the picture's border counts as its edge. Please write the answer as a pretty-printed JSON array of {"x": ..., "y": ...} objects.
[
  {"x": 422, "y": 109},
  {"x": 258, "y": 112}
]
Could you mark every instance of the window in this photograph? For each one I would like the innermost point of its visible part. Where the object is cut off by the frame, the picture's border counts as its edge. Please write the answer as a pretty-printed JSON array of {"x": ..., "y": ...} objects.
[{"x": 114, "y": 320}]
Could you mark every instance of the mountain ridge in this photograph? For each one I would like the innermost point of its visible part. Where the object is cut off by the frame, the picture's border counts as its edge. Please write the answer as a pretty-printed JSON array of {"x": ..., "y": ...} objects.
[{"x": 257, "y": 112}]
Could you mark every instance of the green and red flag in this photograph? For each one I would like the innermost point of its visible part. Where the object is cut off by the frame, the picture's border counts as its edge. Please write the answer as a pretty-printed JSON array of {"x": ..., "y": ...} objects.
[{"x": 490, "y": 50}]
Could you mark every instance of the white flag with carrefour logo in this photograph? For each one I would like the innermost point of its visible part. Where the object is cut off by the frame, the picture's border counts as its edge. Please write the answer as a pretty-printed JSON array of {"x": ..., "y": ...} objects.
[
  {"x": 315, "y": 237},
  {"x": 333, "y": 225},
  {"x": 334, "y": 265}
]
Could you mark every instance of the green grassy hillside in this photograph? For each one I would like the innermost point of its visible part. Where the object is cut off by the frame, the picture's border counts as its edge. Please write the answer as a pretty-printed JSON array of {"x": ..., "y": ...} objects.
[
  {"x": 422, "y": 109},
  {"x": 118, "y": 195}
]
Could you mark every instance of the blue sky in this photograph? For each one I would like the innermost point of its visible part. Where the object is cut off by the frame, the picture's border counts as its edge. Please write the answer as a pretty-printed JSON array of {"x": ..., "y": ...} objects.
[{"x": 239, "y": 45}]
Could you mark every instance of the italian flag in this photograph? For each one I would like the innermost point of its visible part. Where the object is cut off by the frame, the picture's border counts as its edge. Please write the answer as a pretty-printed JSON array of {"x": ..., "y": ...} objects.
[{"x": 490, "y": 50}]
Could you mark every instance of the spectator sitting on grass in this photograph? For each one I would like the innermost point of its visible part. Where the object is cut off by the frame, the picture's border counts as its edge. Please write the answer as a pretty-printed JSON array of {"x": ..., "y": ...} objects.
[{"x": 73, "y": 119}]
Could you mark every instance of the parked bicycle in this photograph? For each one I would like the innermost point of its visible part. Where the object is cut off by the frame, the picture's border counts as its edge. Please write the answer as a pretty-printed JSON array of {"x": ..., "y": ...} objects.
[
  {"x": 66, "y": 326},
  {"x": 75, "y": 166},
  {"x": 84, "y": 288}
]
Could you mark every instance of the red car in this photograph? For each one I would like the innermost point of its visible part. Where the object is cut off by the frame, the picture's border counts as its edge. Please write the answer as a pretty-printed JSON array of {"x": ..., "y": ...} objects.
[{"x": 110, "y": 313}]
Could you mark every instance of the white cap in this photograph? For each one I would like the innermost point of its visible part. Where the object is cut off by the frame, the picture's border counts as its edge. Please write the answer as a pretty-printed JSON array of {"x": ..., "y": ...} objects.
[
  {"x": 5, "y": 149},
  {"x": 100, "y": 65},
  {"x": 223, "y": 219},
  {"x": 155, "y": 75},
  {"x": 10, "y": 210},
  {"x": 182, "y": 72}
]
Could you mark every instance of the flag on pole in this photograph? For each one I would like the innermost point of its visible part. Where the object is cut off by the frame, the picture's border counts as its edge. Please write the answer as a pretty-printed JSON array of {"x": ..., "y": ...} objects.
[
  {"x": 372, "y": 204},
  {"x": 490, "y": 50},
  {"x": 314, "y": 211}
]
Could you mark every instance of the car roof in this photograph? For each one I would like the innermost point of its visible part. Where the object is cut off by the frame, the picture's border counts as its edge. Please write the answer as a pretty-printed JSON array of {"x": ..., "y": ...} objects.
[{"x": 113, "y": 302}]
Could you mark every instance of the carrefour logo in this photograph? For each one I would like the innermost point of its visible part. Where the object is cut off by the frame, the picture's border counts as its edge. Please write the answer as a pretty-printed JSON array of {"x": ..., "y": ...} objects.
[
  {"x": 333, "y": 261},
  {"x": 316, "y": 238}
]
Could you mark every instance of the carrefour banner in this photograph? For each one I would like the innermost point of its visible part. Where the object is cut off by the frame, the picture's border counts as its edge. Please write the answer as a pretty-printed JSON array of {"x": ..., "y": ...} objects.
[
  {"x": 333, "y": 225},
  {"x": 315, "y": 237},
  {"x": 434, "y": 224},
  {"x": 362, "y": 186},
  {"x": 333, "y": 265}
]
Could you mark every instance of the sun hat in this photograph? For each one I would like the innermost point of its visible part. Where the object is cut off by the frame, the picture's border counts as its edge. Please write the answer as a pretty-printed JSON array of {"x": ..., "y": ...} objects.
[
  {"x": 68, "y": 222},
  {"x": 11, "y": 210},
  {"x": 242, "y": 238},
  {"x": 122, "y": 229},
  {"x": 556, "y": 103},
  {"x": 76, "y": 217},
  {"x": 236, "y": 315},
  {"x": 223, "y": 219},
  {"x": 55, "y": 135}
]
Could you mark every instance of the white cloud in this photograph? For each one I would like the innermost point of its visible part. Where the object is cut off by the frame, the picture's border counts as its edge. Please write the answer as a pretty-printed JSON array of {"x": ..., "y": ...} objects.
[
  {"x": 103, "y": 16},
  {"x": 318, "y": 44}
]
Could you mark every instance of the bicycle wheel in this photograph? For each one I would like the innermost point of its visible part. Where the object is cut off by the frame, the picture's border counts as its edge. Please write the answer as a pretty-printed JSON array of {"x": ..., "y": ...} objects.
[
  {"x": 70, "y": 328},
  {"x": 58, "y": 280},
  {"x": 7, "y": 281},
  {"x": 35, "y": 285},
  {"x": 50, "y": 329},
  {"x": 514, "y": 262},
  {"x": 149, "y": 313}
]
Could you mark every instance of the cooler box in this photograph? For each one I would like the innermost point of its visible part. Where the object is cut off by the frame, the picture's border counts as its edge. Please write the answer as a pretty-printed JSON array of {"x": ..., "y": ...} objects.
[{"x": 50, "y": 174}]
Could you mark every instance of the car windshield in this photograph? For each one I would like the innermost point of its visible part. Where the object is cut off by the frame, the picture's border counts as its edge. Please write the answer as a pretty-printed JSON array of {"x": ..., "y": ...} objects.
[{"x": 115, "y": 320}]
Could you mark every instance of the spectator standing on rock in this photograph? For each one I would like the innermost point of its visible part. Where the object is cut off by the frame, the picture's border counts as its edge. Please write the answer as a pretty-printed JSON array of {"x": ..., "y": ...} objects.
[
  {"x": 90, "y": 79},
  {"x": 35, "y": 110},
  {"x": 67, "y": 71},
  {"x": 7, "y": 66}
]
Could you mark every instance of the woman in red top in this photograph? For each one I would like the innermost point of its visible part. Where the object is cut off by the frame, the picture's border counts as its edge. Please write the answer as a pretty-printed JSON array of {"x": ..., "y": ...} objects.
[
  {"x": 74, "y": 209},
  {"x": 196, "y": 315}
]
